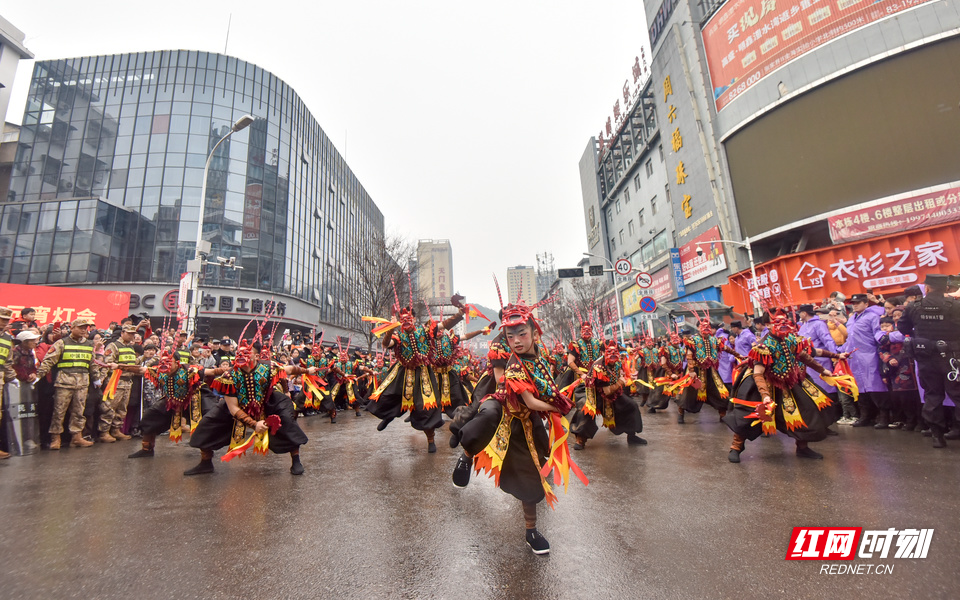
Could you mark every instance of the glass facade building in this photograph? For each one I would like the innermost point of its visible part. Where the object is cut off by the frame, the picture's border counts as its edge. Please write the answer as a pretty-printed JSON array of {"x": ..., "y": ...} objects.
[{"x": 107, "y": 180}]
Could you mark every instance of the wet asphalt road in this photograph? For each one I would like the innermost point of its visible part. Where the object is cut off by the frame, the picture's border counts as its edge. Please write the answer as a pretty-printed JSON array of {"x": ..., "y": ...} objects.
[{"x": 375, "y": 516}]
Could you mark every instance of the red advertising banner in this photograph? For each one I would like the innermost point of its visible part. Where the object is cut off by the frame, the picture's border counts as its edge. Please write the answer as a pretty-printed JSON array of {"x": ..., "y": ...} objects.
[
  {"x": 746, "y": 40},
  {"x": 662, "y": 286},
  {"x": 711, "y": 260},
  {"x": 884, "y": 265},
  {"x": 62, "y": 304},
  {"x": 913, "y": 212}
]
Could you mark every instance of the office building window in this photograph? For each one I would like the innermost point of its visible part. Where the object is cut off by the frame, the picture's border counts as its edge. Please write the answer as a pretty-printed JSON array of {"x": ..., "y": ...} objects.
[
  {"x": 636, "y": 182},
  {"x": 621, "y": 236},
  {"x": 649, "y": 168},
  {"x": 642, "y": 221},
  {"x": 647, "y": 252},
  {"x": 660, "y": 243},
  {"x": 613, "y": 244},
  {"x": 660, "y": 150},
  {"x": 630, "y": 227},
  {"x": 653, "y": 205},
  {"x": 666, "y": 192},
  {"x": 618, "y": 207}
]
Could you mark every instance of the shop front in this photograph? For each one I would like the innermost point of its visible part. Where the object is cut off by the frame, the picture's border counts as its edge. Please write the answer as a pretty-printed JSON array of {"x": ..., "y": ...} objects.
[{"x": 884, "y": 265}]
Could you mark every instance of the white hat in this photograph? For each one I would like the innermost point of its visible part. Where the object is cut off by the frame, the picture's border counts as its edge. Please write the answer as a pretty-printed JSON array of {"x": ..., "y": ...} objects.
[{"x": 23, "y": 336}]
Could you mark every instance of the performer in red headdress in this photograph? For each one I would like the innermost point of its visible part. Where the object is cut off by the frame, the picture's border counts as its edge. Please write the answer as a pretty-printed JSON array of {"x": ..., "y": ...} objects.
[
  {"x": 183, "y": 398},
  {"x": 703, "y": 350},
  {"x": 255, "y": 397},
  {"x": 605, "y": 384},
  {"x": 410, "y": 385},
  {"x": 507, "y": 438},
  {"x": 775, "y": 393}
]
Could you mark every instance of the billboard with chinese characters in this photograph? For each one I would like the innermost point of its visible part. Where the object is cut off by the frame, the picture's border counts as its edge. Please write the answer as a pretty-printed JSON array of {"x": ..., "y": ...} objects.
[
  {"x": 62, "y": 305},
  {"x": 746, "y": 40},
  {"x": 885, "y": 265},
  {"x": 918, "y": 210},
  {"x": 710, "y": 260}
]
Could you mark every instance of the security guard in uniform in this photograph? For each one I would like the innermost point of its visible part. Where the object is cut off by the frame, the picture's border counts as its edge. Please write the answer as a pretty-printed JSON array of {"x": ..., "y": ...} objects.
[
  {"x": 934, "y": 326},
  {"x": 73, "y": 358},
  {"x": 183, "y": 349},
  {"x": 113, "y": 411},
  {"x": 6, "y": 347}
]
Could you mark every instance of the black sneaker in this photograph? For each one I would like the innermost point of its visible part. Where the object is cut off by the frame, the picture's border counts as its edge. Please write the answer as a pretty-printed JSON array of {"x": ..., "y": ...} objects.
[
  {"x": 333, "y": 420},
  {"x": 808, "y": 453},
  {"x": 296, "y": 468},
  {"x": 635, "y": 440},
  {"x": 537, "y": 542},
  {"x": 680, "y": 419},
  {"x": 652, "y": 410},
  {"x": 141, "y": 453},
  {"x": 939, "y": 441},
  {"x": 431, "y": 447},
  {"x": 461, "y": 472},
  {"x": 577, "y": 446},
  {"x": 454, "y": 440},
  {"x": 734, "y": 456},
  {"x": 383, "y": 424},
  {"x": 205, "y": 466}
]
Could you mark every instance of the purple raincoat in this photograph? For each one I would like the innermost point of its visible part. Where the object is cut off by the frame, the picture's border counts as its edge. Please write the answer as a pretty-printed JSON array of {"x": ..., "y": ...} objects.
[
  {"x": 819, "y": 334},
  {"x": 725, "y": 368},
  {"x": 744, "y": 342},
  {"x": 863, "y": 331}
]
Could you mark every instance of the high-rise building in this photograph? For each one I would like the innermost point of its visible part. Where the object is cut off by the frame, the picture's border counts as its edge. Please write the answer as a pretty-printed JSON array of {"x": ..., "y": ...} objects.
[
  {"x": 435, "y": 271},
  {"x": 12, "y": 51},
  {"x": 522, "y": 283},
  {"x": 106, "y": 190}
]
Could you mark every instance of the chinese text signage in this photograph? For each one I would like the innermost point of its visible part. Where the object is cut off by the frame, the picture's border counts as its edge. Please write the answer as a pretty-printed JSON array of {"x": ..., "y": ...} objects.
[
  {"x": 884, "y": 264},
  {"x": 746, "y": 40},
  {"x": 63, "y": 305},
  {"x": 897, "y": 215},
  {"x": 845, "y": 543}
]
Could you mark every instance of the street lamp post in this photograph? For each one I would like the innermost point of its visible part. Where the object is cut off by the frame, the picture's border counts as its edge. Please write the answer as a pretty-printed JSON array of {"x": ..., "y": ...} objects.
[
  {"x": 753, "y": 269},
  {"x": 196, "y": 265},
  {"x": 616, "y": 294}
]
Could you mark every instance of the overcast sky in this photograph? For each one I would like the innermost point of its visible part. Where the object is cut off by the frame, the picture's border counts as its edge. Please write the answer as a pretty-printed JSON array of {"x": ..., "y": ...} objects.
[{"x": 463, "y": 121}]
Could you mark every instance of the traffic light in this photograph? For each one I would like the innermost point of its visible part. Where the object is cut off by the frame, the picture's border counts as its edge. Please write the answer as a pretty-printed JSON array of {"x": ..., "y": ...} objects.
[
  {"x": 568, "y": 273},
  {"x": 203, "y": 327},
  {"x": 596, "y": 270}
]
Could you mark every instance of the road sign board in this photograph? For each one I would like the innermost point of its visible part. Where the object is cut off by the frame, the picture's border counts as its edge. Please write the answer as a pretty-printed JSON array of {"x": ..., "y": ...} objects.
[
  {"x": 567, "y": 273},
  {"x": 644, "y": 280},
  {"x": 623, "y": 266},
  {"x": 648, "y": 304}
]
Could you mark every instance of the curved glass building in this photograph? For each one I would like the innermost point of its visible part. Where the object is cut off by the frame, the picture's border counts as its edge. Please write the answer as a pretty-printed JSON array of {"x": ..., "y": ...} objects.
[{"x": 107, "y": 181}]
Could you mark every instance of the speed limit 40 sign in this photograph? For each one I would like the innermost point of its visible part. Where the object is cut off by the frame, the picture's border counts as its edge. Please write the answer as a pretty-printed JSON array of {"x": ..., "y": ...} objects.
[{"x": 623, "y": 266}]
